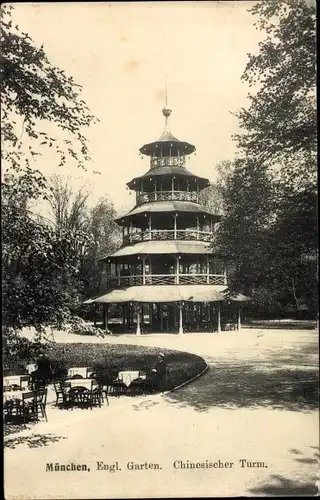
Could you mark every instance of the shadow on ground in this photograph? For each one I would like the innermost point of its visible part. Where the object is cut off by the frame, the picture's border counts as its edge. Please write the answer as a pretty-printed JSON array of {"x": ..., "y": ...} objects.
[
  {"x": 283, "y": 325},
  {"x": 283, "y": 486},
  {"x": 281, "y": 377},
  {"x": 278, "y": 485},
  {"x": 33, "y": 441},
  {"x": 229, "y": 385}
]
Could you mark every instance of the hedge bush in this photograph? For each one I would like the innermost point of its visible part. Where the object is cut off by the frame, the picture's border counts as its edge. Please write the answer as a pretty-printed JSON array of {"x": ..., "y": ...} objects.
[{"x": 107, "y": 360}]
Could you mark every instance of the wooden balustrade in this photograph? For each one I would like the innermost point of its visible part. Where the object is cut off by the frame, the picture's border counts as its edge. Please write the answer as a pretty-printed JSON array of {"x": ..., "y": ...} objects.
[
  {"x": 167, "y": 279},
  {"x": 167, "y": 161},
  {"x": 168, "y": 234},
  {"x": 148, "y": 197}
]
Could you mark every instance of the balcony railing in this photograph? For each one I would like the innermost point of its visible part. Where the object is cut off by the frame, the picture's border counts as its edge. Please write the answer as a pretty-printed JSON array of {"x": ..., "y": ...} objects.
[
  {"x": 168, "y": 196},
  {"x": 168, "y": 234},
  {"x": 167, "y": 279},
  {"x": 168, "y": 161}
]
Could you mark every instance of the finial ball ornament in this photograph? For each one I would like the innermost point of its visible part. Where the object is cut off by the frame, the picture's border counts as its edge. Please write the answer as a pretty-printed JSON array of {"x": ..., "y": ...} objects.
[{"x": 166, "y": 111}]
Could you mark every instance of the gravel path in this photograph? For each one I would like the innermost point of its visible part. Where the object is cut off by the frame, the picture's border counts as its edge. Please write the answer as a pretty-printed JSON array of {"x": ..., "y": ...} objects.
[{"x": 243, "y": 408}]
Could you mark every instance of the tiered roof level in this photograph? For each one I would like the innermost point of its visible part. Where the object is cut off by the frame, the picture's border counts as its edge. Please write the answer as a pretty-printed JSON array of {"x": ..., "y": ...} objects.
[{"x": 168, "y": 235}]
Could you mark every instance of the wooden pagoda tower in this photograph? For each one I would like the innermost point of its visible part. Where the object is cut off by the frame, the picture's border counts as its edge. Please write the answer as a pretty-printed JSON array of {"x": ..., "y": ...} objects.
[{"x": 166, "y": 275}]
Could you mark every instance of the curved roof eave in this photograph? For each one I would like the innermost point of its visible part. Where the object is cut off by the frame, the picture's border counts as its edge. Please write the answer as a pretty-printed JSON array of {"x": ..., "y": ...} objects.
[
  {"x": 169, "y": 170},
  {"x": 167, "y": 141},
  {"x": 163, "y": 247},
  {"x": 169, "y": 206}
]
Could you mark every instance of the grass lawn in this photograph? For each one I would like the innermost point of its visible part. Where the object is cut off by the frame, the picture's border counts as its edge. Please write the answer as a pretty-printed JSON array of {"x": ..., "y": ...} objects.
[{"x": 110, "y": 359}]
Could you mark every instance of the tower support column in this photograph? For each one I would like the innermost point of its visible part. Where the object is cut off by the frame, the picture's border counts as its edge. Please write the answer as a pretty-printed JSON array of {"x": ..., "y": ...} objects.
[
  {"x": 106, "y": 307},
  {"x": 123, "y": 313},
  {"x": 239, "y": 319},
  {"x": 161, "y": 317},
  {"x": 138, "y": 330},
  {"x": 219, "y": 318},
  {"x": 180, "y": 319},
  {"x": 151, "y": 316}
]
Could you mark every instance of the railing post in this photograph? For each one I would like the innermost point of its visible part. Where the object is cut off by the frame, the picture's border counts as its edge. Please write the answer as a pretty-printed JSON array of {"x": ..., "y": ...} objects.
[
  {"x": 197, "y": 228},
  {"x": 177, "y": 270},
  {"x": 175, "y": 226},
  {"x": 143, "y": 269},
  {"x": 149, "y": 226},
  {"x": 155, "y": 190},
  {"x": 207, "y": 263}
]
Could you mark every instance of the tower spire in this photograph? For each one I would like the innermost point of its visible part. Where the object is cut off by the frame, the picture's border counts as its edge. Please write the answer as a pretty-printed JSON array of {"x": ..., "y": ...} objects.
[
  {"x": 166, "y": 91},
  {"x": 166, "y": 111}
]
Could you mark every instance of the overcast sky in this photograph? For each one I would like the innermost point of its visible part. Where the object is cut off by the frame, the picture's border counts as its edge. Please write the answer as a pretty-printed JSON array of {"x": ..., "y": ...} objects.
[{"x": 121, "y": 53}]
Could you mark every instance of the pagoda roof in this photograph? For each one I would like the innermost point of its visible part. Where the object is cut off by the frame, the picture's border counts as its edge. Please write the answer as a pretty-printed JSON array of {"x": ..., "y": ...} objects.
[
  {"x": 165, "y": 142},
  {"x": 163, "y": 247},
  {"x": 164, "y": 293},
  {"x": 169, "y": 206},
  {"x": 169, "y": 170}
]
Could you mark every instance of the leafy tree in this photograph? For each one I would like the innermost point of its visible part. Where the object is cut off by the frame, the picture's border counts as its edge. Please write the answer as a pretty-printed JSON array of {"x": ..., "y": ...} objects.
[
  {"x": 34, "y": 93},
  {"x": 242, "y": 237},
  {"x": 40, "y": 265},
  {"x": 269, "y": 199},
  {"x": 212, "y": 196},
  {"x": 279, "y": 127},
  {"x": 68, "y": 207},
  {"x": 105, "y": 238},
  {"x": 294, "y": 249}
]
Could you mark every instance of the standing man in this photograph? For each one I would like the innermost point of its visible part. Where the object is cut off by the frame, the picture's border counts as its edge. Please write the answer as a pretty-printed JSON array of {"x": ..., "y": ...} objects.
[
  {"x": 158, "y": 372},
  {"x": 43, "y": 375}
]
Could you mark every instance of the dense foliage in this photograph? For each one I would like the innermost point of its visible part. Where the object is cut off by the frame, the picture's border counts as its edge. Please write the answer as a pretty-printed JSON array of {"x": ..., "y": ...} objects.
[
  {"x": 279, "y": 127},
  {"x": 269, "y": 230},
  {"x": 107, "y": 360},
  {"x": 40, "y": 268},
  {"x": 34, "y": 93}
]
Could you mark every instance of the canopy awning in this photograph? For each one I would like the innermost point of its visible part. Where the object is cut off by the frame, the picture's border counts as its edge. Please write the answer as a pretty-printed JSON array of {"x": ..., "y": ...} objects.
[
  {"x": 236, "y": 298},
  {"x": 164, "y": 247},
  {"x": 163, "y": 293}
]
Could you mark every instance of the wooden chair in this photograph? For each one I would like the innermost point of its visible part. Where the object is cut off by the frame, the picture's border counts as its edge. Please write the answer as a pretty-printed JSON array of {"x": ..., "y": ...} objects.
[
  {"x": 141, "y": 385},
  {"x": 61, "y": 393},
  {"x": 84, "y": 396},
  {"x": 117, "y": 387},
  {"x": 33, "y": 405},
  {"x": 104, "y": 381},
  {"x": 15, "y": 387},
  {"x": 24, "y": 381},
  {"x": 97, "y": 394},
  {"x": 40, "y": 402},
  {"x": 26, "y": 407},
  {"x": 229, "y": 326}
]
